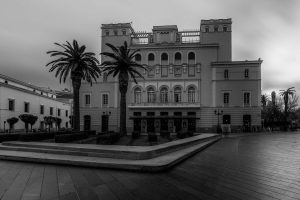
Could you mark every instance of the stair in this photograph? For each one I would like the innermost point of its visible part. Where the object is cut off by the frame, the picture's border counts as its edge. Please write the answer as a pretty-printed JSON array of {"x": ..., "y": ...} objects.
[{"x": 150, "y": 158}]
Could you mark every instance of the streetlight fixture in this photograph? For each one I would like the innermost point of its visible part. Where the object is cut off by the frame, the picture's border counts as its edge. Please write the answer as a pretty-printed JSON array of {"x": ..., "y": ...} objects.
[{"x": 219, "y": 112}]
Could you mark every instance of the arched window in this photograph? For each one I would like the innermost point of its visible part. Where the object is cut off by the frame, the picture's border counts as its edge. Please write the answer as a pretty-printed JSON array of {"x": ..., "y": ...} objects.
[
  {"x": 105, "y": 77},
  {"x": 137, "y": 95},
  {"x": 164, "y": 58},
  {"x": 177, "y": 56},
  {"x": 191, "y": 94},
  {"x": 151, "y": 57},
  {"x": 216, "y": 28},
  {"x": 164, "y": 95},
  {"x": 138, "y": 57},
  {"x": 225, "y": 28},
  {"x": 191, "y": 56},
  {"x": 226, "y": 75},
  {"x": 191, "y": 64},
  {"x": 151, "y": 95},
  {"x": 207, "y": 29},
  {"x": 177, "y": 94}
]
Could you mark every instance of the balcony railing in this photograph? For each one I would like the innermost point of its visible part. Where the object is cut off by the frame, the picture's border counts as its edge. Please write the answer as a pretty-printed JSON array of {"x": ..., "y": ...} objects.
[{"x": 165, "y": 105}]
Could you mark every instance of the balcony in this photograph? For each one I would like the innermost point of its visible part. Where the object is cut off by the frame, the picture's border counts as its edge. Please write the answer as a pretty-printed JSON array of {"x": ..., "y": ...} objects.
[{"x": 165, "y": 105}]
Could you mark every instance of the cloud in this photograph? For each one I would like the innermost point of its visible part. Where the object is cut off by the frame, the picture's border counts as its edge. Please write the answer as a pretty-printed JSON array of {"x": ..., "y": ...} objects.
[{"x": 267, "y": 29}]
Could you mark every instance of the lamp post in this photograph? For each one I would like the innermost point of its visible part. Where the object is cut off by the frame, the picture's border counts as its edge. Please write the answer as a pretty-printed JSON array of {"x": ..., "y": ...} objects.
[{"x": 218, "y": 113}]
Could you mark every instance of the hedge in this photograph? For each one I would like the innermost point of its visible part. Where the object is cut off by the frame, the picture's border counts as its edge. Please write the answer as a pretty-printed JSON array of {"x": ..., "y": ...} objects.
[
  {"x": 36, "y": 136},
  {"x": 27, "y": 137},
  {"x": 9, "y": 137},
  {"x": 108, "y": 138},
  {"x": 64, "y": 138}
]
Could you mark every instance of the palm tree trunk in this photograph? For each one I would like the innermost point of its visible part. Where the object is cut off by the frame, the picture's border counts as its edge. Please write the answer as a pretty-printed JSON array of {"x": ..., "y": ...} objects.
[
  {"x": 285, "y": 114},
  {"x": 123, "y": 130},
  {"x": 76, "y": 82},
  {"x": 123, "y": 85}
]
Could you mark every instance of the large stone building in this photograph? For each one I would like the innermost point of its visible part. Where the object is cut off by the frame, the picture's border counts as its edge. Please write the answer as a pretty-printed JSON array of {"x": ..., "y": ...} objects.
[
  {"x": 17, "y": 97},
  {"x": 191, "y": 78}
]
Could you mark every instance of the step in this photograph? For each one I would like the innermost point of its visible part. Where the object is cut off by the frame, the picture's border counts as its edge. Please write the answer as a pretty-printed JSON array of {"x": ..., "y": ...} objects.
[
  {"x": 107, "y": 151},
  {"x": 156, "y": 164}
]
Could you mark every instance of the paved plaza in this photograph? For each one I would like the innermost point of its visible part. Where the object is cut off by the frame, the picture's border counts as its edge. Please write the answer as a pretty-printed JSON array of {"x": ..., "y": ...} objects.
[{"x": 264, "y": 166}]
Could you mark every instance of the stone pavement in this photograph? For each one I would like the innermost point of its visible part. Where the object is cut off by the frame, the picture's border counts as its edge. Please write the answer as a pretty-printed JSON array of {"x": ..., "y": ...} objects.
[{"x": 265, "y": 166}]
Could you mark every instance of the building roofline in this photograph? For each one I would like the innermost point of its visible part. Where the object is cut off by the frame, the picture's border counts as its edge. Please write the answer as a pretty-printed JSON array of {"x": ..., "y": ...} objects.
[
  {"x": 259, "y": 61},
  {"x": 27, "y": 84},
  {"x": 28, "y": 91}
]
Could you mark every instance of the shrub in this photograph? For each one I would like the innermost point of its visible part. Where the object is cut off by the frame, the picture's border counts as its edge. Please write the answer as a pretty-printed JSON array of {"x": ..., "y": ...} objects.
[
  {"x": 108, "y": 138},
  {"x": 164, "y": 133},
  {"x": 35, "y": 136},
  {"x": 152, "y": 137},
  {"x": 64, "y": 138},
  {"x": 190, "y": 133},
  {"x": 9, "y": 137},
  {"x": 181, "y": 134},
  {"x": 135, "y": 134}
]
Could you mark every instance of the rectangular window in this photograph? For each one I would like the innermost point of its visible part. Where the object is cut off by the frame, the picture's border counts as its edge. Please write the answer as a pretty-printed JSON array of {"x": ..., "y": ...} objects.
[
  {"x": 246, "y": 98},
  {"x": 226, "y": 74},
  {"x": 226, "y": 98},
  {"x": 105, "y": 99},
  {"x": 246, "y": 74},
  {"x": 67, "y": 114},
  {"x": 177, "y": 70},
  {"x": 87, "y": 99},
  {"x": 151, "y": 71},
  {"x": 11, "y": 104},
  {"x": 164, "y": 71},
  {"x": 58, "y": 112},
  {"x": 41, "y": 109},
  {"x": 26, "y": 107},
  {"x": 51, "y": 110},
  {"x": 191, "y": 70}
]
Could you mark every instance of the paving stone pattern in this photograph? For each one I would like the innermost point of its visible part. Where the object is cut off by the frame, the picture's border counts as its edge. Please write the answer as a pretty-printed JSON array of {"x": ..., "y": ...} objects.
[{"x": 251, "y": 167}]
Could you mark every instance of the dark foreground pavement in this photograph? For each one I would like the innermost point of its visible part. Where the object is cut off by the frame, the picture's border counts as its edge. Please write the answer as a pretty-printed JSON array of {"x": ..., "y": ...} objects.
[{"x": 265, "y": 166}]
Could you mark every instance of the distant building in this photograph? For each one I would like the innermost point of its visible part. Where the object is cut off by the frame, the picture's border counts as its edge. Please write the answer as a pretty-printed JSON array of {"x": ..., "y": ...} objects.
[
  {"x": 17, "y": 97},
  {"x": 191, "y": 75}
]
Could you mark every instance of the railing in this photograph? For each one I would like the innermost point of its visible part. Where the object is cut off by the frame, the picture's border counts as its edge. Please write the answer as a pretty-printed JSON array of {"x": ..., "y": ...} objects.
[{"x": 169, "y": 104}]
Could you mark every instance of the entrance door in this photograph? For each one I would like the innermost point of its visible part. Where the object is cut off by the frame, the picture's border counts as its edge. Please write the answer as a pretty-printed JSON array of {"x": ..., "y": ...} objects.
[
  {"x": 178, "y": 121},
  {"x": 150, "y": 122},
  {"x": 247, "y": 123},
  {"x": 87, "y": 123},
  {"x": 137, "y": 122},
  {"x": 192, "y": 122},
  {"x": 104, "y": 123},
  {"x": 164, "y": 122}
]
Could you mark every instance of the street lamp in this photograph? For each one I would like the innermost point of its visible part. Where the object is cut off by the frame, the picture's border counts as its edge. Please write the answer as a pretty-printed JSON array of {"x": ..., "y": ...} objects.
[{"x": 219, "y": 112}]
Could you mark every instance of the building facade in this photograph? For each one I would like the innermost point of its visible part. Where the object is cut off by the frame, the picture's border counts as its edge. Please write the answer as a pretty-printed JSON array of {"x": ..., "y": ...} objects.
[
  {"x": 17, "y": 97},
  {"x": 190, "y": 79}
]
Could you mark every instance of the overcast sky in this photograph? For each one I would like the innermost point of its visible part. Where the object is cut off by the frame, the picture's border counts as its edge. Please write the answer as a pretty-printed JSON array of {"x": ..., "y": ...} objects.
[{"x": 266, "y": 29}]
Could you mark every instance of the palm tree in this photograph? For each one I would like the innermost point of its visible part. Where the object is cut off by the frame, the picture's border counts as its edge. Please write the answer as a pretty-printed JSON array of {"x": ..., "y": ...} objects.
[
  {"x": 74, "y": 60},
  {"x": 264, "y": 99},
  {"x": 285, "y": 94},
  {"x": 121, "y": 62}
]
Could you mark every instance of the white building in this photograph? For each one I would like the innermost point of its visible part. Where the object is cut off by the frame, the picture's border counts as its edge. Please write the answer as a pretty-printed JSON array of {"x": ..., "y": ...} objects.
[
  {"x": 17, "y": 97},
  {"x": 191, "y": 78}
]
